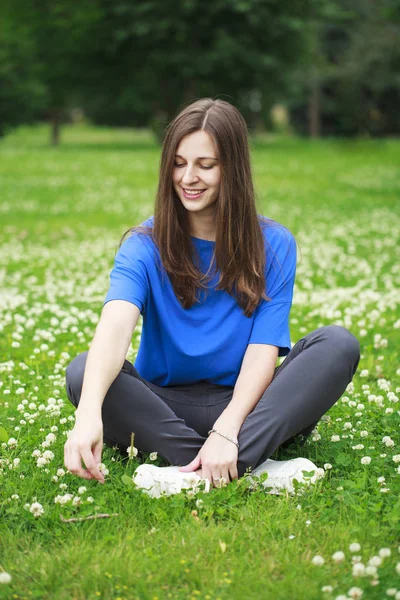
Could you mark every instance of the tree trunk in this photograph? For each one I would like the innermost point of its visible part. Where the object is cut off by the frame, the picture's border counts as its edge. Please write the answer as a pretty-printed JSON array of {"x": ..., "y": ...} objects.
[
  {"x": 314, "y": 114},
  {"x": 55, "y": 127}
]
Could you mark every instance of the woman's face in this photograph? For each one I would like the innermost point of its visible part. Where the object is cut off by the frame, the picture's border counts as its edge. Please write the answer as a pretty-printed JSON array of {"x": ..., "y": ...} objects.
[{"x": 196, "y": 168}]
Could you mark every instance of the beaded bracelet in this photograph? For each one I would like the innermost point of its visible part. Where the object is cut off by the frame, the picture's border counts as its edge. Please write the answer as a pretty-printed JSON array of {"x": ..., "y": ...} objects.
[{"x": 225, "y": 436}]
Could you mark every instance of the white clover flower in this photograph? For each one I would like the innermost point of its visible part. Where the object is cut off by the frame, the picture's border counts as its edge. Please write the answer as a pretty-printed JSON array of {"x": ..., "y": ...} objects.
[
  {"x": 48, "y": 455},
  {"x": 132, "y": 451},
  {"x": 376, "y": 561},
  {"x": 384, "y": 490},
  {"x": 103, "y": 469},
  {"x": 153, "y": 455},
  {"x": 327, "y": 588},
  {"x": 5, "y": 577},
  {"x": 398, "y": 568},
  {"x": 388, "y": 441},
  {"x": 81, "y": 489},
  {"x": 371, "y": 570},
  {"x": 12, "y": 442},
  {"x": 60, "y": 472},
  {"x": 335, "y": 438},
  {"x": 358, "y": 447},
  {"x": 90, "y": 499},
  {"x": 365, "y": 460},
  {"x": 318, "y": 560},
  {"x": 199, "y": 502},
  {"x": 364, "y": 433},
  {"x": 41, "y": 461},
  {"x": 76, "y": 501},
  {"x": 327, "y": 466},
  {"x": 36, "y": 509},
  {"x": 358, "y": 570},
  {"x": 355, "y": 592},
  {"x": 338, "y": 556},
  {"x": 391, "y": 592},
  {"x": 354, "y": 547}
]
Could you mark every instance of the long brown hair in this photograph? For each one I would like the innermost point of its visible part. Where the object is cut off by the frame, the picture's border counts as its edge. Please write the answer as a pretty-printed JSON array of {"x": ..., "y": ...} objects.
[{"x": 239, "y": 253}]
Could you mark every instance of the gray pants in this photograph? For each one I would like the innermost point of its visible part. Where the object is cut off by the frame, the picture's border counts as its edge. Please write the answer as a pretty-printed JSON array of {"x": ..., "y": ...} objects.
[{"x": 174, "y": 420}]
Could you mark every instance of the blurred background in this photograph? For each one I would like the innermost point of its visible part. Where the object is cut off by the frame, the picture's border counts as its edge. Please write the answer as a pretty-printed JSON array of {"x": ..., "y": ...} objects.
[{"x": 314, "y": 68}]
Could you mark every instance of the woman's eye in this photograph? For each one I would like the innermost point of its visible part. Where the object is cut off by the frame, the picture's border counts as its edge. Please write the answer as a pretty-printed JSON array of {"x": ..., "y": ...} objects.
[{"x": 176, "y": 165}]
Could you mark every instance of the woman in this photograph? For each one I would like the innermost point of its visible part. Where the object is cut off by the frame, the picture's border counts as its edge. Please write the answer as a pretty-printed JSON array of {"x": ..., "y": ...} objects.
[{"x": 213, "y": 281}]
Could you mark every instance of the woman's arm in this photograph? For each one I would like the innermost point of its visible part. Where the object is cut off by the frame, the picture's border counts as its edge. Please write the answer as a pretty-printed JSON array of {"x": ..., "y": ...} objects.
[
  {"x": 104, "y": 362},
  {"x": 255, "y": 375}
]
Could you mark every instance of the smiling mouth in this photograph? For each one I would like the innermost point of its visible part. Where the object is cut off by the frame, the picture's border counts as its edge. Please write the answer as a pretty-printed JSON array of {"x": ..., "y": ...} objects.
[{"x": 192, "y": 193}]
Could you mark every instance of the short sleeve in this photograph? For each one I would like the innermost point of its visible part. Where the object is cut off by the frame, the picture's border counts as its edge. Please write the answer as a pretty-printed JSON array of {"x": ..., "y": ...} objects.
[
  {"x": 271, "y": 321},
  {"x": 129, "y": 278}
]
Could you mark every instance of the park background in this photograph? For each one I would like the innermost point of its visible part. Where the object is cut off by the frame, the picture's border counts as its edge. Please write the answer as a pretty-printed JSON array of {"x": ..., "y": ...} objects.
[{"x": 86, "y": 90}]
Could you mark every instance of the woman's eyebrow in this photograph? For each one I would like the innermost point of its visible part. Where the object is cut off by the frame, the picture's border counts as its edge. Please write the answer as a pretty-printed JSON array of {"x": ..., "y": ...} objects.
[{"x": 199, "y": 158}]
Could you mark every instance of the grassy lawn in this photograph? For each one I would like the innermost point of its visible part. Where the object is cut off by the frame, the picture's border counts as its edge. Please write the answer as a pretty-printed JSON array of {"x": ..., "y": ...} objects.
[{"x": 62, "y": 213}]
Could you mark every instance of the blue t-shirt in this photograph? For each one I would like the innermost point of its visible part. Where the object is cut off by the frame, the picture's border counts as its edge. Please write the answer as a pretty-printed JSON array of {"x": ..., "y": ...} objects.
[{"x": 207, "y": 341}]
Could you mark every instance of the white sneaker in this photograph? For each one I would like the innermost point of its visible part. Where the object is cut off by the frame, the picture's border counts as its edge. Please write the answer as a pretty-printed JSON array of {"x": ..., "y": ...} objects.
[
  {"x": 282, "y": 473},
  {"x": 164, "y": 481}
]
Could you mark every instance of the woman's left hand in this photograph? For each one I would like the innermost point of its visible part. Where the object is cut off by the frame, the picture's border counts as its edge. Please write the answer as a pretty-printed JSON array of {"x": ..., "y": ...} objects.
[{"x": 217, "y": 458}]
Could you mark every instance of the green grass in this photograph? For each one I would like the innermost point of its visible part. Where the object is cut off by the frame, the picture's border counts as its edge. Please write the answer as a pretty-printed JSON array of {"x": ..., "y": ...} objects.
[{"x": 62, "y": 212}]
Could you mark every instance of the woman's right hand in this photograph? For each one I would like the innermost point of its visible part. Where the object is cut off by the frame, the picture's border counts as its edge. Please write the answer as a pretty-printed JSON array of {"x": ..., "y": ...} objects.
[{"x": 85, "y": 442}]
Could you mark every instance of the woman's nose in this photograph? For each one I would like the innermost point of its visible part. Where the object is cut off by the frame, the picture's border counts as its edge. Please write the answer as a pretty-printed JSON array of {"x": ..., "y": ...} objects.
[{"x": 189, "y": 175}]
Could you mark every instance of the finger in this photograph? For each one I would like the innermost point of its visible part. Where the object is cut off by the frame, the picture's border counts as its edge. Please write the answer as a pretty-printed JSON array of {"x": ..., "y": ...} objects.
[
  {"x": 74, "y": 463},
  {"x": 192, "y": 466},
  {"x": 91, "y": 464},
  {"x": 216, "y": 475},
  {"x": 226, "y": 478},
  {"x": 206, "y": 474},
  {"x": 233, "y": 473},
  {"x": 98, "y": 449}
]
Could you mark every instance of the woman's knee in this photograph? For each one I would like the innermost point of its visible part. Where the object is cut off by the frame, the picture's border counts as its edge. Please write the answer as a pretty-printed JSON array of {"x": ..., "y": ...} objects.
[
  {"x": 344, "y": 342},
  {"x": 74, "y": 377}
]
